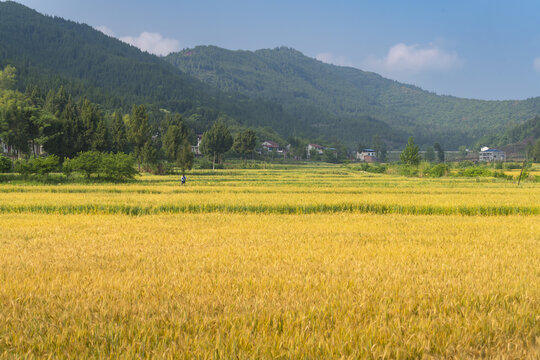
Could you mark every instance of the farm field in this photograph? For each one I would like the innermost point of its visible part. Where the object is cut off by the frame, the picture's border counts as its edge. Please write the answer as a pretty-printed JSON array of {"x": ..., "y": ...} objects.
[{"x": 314, "y": 262}]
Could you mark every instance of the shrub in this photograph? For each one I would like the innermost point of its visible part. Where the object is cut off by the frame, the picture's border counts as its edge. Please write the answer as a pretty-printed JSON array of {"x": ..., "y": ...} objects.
[
  {"x": 378, "y": 169},
  {"x": 408, "y": 170},
  {"x": 438, "y": 170},
  {"x": 67, "y": 167},
  {"x": 160, "y": 168},
  {"x": 41, "y": 166},
  {"x": 45, "y": 165},
  {"x": 204, "y": 163},
  {"x": 87, "y": 162},
  {"x": 23, "y": 167},
  {"x": 512, "y": 165},
  {"x": 465, "y": 164},
  {"x": 502, "y": 175},
  {"x": 475, "y": 172},
  {"x": 118, "y": 166},
  {"x": 374, "y": 168},
  {"x": 5, "y": 164}
]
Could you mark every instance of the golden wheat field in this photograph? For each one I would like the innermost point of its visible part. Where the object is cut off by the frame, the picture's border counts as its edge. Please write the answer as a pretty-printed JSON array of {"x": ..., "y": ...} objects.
[{"x": 302, "y": 262}]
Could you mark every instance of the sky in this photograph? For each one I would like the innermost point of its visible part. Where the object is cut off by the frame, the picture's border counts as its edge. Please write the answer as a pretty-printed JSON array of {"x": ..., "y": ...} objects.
[{"x": 482, "y": 49}]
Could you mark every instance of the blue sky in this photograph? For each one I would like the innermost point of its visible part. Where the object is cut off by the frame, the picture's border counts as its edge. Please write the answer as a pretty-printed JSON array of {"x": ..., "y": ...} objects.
[{"x": 476, "y": 49}]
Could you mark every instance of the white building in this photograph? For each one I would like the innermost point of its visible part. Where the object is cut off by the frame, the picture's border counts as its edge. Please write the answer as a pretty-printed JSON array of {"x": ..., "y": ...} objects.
[
  {"x": 270, "y": 146},
  {"x": 489, "y": 155},
  {"x": 366, "y": 154},
  {"x": 196, "y": 148},
  {"x": 314, "y": 147}
]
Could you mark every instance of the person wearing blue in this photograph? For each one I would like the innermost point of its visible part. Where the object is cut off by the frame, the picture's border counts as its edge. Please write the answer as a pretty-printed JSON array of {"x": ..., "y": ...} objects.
[{"x": 183, "y": 179}]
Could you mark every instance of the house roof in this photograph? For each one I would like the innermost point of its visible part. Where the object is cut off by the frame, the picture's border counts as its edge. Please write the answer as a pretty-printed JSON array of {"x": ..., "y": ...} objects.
[
  {"x": 368, "y": 150},
  {"x": 270, "y": 143},
  {"x": 491, "y": 150},
  {"x": 316, "y": 146}
]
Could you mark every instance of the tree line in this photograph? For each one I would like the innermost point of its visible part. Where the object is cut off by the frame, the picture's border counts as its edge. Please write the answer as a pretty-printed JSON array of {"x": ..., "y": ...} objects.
[
  {"x": 67, "y": 128},
  {"x": 62, "y": 126}
]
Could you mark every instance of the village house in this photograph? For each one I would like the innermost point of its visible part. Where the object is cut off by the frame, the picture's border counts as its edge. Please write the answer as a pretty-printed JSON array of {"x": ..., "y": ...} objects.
[
  {"x": 270, "y": 146},
  {"x": 314, "y": 147},
  {"x": 490, "y": 155},
  {"x": 366, "y": 155}
]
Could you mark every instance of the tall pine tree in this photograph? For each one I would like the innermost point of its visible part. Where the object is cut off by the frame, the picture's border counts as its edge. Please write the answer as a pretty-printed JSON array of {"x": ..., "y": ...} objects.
[
  {"x": 118, "y": 133},
  {"x": 140, "y": 133}
]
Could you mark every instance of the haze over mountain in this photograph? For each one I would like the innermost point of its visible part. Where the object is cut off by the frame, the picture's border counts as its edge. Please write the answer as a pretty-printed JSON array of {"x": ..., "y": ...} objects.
[
  {"x": 305, "y": 86},
  {"x": 279, "y": 89}
]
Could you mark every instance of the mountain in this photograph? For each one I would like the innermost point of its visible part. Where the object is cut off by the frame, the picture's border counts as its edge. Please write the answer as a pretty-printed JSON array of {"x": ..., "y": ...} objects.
[
  {"x": 273, "y": 91},
  {"x": 525, "y": 133},
  {"x": 329, "y": 95},
  {"x": 50, "y": 52}
]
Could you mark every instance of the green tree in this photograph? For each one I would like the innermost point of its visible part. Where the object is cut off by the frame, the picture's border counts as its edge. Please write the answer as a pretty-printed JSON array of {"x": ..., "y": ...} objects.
[
  {"x": 314, "y": 155},
  {"x": 22, "y": 123},
  {"x": 139, "y": 129},
  {"x": 5, "y": 164},
  {"x": 216, "y": 141},
  {"x": 88, "y": 162},
  {"x": 462, "y": 151},
  {"x": 429, "y": 154},
  {"x": 330, "y": 155},
  {"x": 117, "y": 166},
  {"x": 45, "y": 165},
  {"x": 100, "y": 140},
  {"x": 72, "y": 140},
  {"x": 536, "y": 151},
  {"x": 440, "y": 152},
  {"x": 174, "y": 137},
  {"x": 410, "y": 155},
  {"x": 55, "y": 102},
  {"x": 245, "y": 142},
  {"x": 149, "y": 155},
  {"x": 380, "y": 148},
  {"x": 118, "y": 133},
  {"x": 89, "y": 118},
  {"x": 185, "y": 156},
  {"x": 16, "y": 121},
  {"x": 8, "y": 78},
  {"x": 298, "y": 147}
]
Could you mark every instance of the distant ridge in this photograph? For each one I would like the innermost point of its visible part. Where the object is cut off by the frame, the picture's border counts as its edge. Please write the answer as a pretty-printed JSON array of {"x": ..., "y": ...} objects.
[
  {"x": 306, "y": 86},
  {"x": 49, "y": 52}
]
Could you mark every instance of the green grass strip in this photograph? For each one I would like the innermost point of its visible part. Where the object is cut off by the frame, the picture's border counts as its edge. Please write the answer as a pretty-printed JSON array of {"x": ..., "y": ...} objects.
[{"x": 272, "y": 209}]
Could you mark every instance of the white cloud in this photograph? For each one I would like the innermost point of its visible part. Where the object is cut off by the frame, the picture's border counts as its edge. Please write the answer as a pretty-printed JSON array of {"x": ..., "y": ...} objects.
[
  {"x": 536, "y": 64},
  {"x": 413, "y": 59},
  {"x": 104, "y": 29},
  {"x": 330, "y": 58},
  {"x": 154, "y": 43}
]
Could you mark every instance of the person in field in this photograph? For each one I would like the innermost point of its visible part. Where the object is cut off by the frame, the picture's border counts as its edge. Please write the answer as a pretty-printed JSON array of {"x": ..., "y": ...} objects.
[{"x": 183, "y": 179}]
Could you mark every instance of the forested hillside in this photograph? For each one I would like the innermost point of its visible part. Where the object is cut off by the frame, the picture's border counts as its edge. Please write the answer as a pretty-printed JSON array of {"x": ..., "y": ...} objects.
[
  {"x": 342, "y": 95},
  {"x": 274, "y": 91},
  {"x": 527, "y": 133},
  {"x": 49, "y": 52}
]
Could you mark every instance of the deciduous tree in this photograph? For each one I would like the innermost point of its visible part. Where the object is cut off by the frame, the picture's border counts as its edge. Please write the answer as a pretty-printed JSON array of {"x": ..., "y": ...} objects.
[
  {"x": 440, "y": 152},
  {"x": 245, "y": 142},
  {"x": 185, "y": 156},
  {"x": 410, "y": 154},
  {"x": 216, "y": 141}
]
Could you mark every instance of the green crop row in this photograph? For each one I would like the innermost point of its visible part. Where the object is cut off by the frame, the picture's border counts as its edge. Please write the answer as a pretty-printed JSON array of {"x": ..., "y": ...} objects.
[{"x": 272, "y": 209}]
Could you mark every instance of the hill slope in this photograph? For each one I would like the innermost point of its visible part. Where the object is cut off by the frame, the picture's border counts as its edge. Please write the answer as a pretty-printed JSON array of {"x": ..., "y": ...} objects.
[
  {"x": 306, "y": 86},
  {"x": 50, "y": 51}
]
